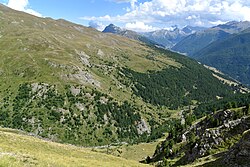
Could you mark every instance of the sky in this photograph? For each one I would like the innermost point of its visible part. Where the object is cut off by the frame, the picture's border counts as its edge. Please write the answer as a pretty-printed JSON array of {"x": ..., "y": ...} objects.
[{"x": 138, "y": 15}]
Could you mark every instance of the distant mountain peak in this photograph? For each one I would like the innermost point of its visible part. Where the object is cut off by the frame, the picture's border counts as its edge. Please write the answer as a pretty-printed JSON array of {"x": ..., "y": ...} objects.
[
  {"x": 111, "y": 28},
  {"x": 232, "y": 22},
  {"x": 169, "y": 37},
  {"x": 187, "y": 29}
]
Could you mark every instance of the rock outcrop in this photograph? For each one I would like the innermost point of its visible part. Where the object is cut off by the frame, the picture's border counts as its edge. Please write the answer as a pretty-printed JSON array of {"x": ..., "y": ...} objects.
[
  {"x": 204, "y": 138},
  {"x": 211, "y": 137}
]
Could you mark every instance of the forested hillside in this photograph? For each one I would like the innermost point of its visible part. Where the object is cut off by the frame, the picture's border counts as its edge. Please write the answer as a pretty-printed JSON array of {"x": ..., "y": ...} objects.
[{"x": 231, "y": 56}]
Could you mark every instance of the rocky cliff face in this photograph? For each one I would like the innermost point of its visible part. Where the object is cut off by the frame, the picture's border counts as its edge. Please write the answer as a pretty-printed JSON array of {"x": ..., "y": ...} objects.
[{"x": 239, "y": 154}]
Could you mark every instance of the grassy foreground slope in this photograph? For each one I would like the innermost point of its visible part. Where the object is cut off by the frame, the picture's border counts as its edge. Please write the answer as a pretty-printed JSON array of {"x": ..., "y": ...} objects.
[{"x": 21, "y": 150}]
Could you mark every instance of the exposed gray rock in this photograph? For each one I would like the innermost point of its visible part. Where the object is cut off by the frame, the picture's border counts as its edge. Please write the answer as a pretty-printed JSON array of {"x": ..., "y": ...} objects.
[
  {"x": 63, "y": 111},
  {"x": 103, "y": 100},
  {"x": 84, "y": 58},
  {"x": 56, "y": 65},
  {"x": 39, "y": 89},
  {"x": 105, "y": 118},
  {"x": 142, "y": 127},
  {"x": 100, "y": 53},
  {"x": 2, "y": 154},
  {"x": 80, "y": 106},
  {"x": 184, "y": 138},
  {"x": 75, "y": 91},
  {"x": 82, "y": 77}
]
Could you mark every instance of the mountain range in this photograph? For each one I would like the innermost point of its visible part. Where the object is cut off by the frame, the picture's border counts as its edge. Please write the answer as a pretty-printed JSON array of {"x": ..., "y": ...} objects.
[
  {"x": 68, "y": 83},
  {"x": 169, "y": 38},
  {"x": 225, "y": 47},
  {"x": 163, "y": 38},
  {"x": 211, "y": 46},
  {"x": 197, "y": 41}
]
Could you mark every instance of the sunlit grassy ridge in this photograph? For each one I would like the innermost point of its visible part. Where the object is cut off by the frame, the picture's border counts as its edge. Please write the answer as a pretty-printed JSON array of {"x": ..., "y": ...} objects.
[{"x": 18, "y": 150}]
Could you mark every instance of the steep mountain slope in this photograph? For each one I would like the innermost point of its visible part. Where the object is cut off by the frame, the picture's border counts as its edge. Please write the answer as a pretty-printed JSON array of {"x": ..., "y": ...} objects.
[
  {"x": 73, "y": 84},
  {"x": 129, "y": 34},
  {"x": 168, "y": 38},
  {"x": 231, "y": 56},
  {"x": 195, "y": 42},
  {"x": 18, "y": 150}
]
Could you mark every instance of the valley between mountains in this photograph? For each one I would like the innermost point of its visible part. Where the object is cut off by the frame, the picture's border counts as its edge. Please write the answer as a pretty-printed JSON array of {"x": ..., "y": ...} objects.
[{"x": 98, "y": 93}]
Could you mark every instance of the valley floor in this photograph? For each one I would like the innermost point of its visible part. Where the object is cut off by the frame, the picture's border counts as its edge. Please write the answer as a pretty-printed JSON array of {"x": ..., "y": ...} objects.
[{"x": 136, "y": 152}]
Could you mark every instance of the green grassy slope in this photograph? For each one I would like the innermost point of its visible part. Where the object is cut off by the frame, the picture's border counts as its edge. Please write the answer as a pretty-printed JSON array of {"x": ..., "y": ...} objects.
[{"x": 19, "y": 150}]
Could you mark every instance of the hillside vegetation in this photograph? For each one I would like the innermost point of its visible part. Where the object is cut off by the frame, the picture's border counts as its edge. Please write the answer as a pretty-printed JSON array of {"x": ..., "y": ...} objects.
[{"x": 73, "y": 84}]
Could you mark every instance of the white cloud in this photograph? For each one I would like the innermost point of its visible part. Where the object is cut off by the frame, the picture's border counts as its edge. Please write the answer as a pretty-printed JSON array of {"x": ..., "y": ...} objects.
[
  {"x": 139, "y": 27},
  {"x": 217, "y": 22},
  {"x": 237, "y": 10},
  {"x": 97, "y": 25},
  {"x": 18, "y": 4},
  {"x": 180, "y": 12},
  {"x": 132, "y": 2},
  {"x": 192, "y": 17},
  {"x": 22, "y": 5}
]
